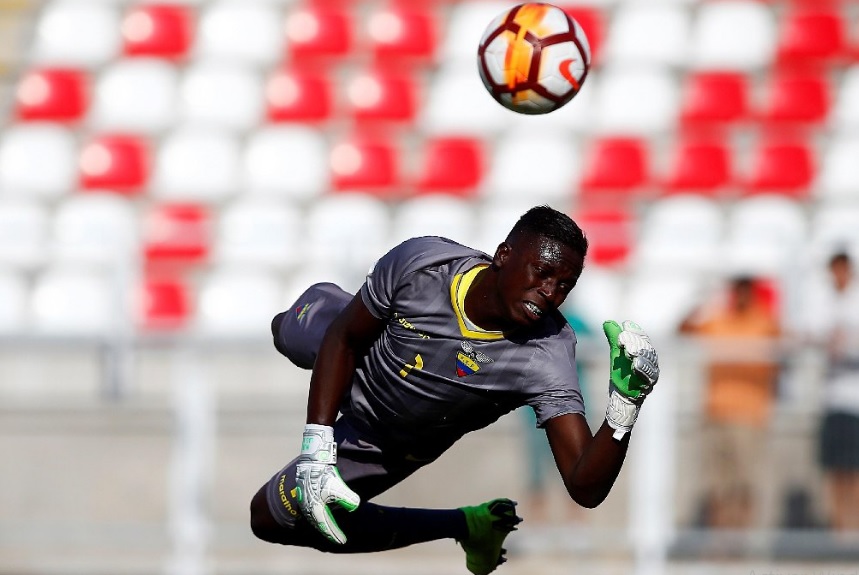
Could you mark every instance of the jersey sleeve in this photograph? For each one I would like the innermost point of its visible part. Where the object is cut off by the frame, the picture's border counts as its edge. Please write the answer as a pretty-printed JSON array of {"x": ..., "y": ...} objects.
[{"x": 554, "y": 380}]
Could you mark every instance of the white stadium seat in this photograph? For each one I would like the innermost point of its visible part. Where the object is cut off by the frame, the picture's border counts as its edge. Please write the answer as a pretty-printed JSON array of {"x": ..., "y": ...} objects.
[
  {"x": 136, "y": 96},
  {"x": 259, "y": 231},
  {"x": 834, "y": 226},
  {"x": 659, "y": 300},
  {"x": 71, "y": 301},
  {"x": 238, "y": 30},
  {"x": 37, "y": 160},
  {"x": 239, "y": 302},
  {"x": 458, "y": 103},
  {"x": 24, "y": 230},
  {"x": 640, "y": 100},
  {"x": 845, "y": 115},
  {"x": 838, "y": 177},
  {"x": 198, "y": 164},
  {"x": 14, "y": 302},
  {"x": 77, "y": 33},
  {"x": 542, "y": 166},
  {"x": 733, "y": 35},
  {"x": 222, "y": 95},
  {"x": 465, "y": 26},
  {"x": 290, "y": 162},
  {"x": 435, "y": 215},
  {"x": 765, "y": 234},
  {"x": 494, "y": 219},
  {"x": 645, "y": 34},
  {"x": 95, "y": 229}
]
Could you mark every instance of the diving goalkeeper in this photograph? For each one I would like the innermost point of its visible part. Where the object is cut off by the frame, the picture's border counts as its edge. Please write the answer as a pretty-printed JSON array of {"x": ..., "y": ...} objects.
[{"x": 442, "y": 340}]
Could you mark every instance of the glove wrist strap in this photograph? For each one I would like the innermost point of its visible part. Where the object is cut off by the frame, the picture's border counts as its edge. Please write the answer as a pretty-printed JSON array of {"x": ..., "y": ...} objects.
[
  {"x": 318, "y": 445},
  {"x": 621, "y": 413}
]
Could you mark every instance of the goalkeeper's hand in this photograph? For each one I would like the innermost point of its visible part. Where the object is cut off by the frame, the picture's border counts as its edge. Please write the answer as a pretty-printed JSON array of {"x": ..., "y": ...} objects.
[
  {"x": 634, "y": 372},
  {"x": 319, "y": 483}
]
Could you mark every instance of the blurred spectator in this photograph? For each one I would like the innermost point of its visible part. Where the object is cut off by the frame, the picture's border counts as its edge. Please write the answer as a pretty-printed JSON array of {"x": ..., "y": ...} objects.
[
  {"x": 833, "y": 323},
  {"x": 739, "y": 332}
]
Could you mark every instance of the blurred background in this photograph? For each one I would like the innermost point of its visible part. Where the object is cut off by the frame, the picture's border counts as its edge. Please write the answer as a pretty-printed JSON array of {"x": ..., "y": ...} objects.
[{"x": 173, "y": 173}]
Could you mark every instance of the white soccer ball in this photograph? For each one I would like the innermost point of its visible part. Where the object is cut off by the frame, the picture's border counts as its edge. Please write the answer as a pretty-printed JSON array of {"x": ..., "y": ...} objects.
[{"x": 533, "y": 58}]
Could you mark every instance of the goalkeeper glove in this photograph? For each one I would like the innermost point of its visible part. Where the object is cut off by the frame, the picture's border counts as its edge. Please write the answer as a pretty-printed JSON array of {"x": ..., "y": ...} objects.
[
  {"x": 634, "y": 372},
  {"x": 319, "y": 483}
]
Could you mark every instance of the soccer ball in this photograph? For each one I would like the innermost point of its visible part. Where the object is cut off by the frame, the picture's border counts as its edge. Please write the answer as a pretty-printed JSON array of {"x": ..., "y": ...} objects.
[{"x": 533, "y": 58}]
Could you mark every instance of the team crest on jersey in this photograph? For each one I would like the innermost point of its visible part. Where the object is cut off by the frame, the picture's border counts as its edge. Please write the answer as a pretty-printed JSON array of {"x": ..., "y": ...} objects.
[
  {"x": 469, "y": 359},
  {"x": 302, "y": 310}
]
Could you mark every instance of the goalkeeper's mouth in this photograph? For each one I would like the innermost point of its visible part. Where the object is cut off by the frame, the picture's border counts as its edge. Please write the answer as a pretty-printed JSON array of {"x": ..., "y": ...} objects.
[{"x": 533, "y": 311}]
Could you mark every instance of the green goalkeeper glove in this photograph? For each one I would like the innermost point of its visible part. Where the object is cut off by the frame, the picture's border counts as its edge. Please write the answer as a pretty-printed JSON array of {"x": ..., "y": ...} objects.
[
  {"x": 634, "y": 372},
  {"x": 319, "y": 483}
]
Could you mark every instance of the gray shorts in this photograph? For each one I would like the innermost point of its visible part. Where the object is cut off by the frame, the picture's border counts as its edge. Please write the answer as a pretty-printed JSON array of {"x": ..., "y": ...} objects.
[{"x": 362, "y": 465}]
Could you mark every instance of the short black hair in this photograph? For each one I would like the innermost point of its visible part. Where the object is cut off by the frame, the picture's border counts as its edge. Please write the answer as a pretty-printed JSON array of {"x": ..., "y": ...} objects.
[
  {"x": 840, "y": 257},
  {"x": 550, "y": 223}
]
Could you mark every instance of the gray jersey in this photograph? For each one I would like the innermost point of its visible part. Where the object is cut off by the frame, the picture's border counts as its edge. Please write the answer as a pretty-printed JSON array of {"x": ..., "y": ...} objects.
[{"x": 433, "y": 376}]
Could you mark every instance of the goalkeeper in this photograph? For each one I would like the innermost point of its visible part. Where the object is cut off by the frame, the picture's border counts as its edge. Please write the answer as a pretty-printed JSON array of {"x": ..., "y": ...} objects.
[{"x": 442, "y": 340}]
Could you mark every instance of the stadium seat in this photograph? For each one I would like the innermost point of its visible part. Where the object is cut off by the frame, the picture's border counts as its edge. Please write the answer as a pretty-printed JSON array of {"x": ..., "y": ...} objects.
[
  {"x": 14, "y": 303},
  {"x": 402, "y": 35},
  {"x": 24, "y": 232},
  {"x": 382, "y": 96},
  {"x": 306, "y": 276},
  {"x": 643, "y": 100},
  {"x": 198, "y": 164},
  {"x": 37, "y": 161},
  {"x": 812, "y": 35},
  {"x": 839, "y": 176},
  {"x": 610, "y": 232},
  {"x": 95, "y": 229},
  {"x": 714, "y": 98},
  {"x": 52, "y": 95},
  {"x": 347, "y": 232},
  {"x": 751, "y": 28},
  {"x": 263, "y": 232},
  {"x": 681, "y": 233},
  {"x": 845, "y": 115},
  {"x": 116, "y": 162},
  {"x": 157, "y": 31},
  {"x": 239, "y": 102},
  {"x": 164, "y": 303},
  {"x": 495, "y": 217},
  {"x": 136, "y": 96},
  {"x": 796, "y": 99},
  {"x": 598, "y": 295},
  {"x": 700, "y": 166},
  {"x": 645, "y": 34},
  {"x": 615, "y": 165},
  {"x": 246, "y": 32},
  {"x": 367, "y": 164},
  {"x": 434, "y": 215},
  {"x": 71, "y": 301},
  {"x": 765, "y": 234},
  {"x": 78, "y": 34},
  {"x": 319, "y": 33},
  {"x": 299, "y": 95},
  {"x": 542, "y": 166},
  {"x": 239, "y": 302},
  {"x": 785, "y": 167},
  {"x": 834, "y": 226},
  {"x": 592, "y": 19},
  {"x": 286, "y": 161},
  {"x": 176, "y": 235},
  {"x": 454, "y": 165},
  {"x": 457, "y": 103},
  {"x": 660, "y": 300},
  {"x": 466, "y": 22}
]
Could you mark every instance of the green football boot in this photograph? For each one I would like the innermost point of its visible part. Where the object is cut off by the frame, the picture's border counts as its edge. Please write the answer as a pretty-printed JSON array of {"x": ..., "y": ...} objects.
[{"x": 488, "y": 526}]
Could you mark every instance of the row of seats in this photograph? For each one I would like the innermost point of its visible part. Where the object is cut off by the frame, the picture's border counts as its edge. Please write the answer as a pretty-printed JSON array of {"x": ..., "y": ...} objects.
[
  {"x": 261, "y": 33},
  {"x": 299, "y": 164},
  {"x": 149, "y": 96}
]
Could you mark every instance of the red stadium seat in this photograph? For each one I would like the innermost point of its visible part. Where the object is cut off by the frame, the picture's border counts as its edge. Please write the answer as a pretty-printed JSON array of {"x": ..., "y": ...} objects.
[
  {"x": 379, "y": 96},
  {"x": 367, "y": 165},
  {"x": 164, "y": 303},
  {"x": 319, "y": 32},
  {"x": 793, "y": 98},
  {"x": 452, "y": 165},
  {"x": 700, "y": 166},
  {"x": 812, "y": 35},
  {"x": 592, "y": 21},
  {"x": 402, "y": 34},
  {"x": 298, "y": 96},
  {"x": 176, "y": 234},
  {"x": 157, "y": 30},
  {"x": 52, "y": 95},
  {"x": 116, "y": 162},
  {"x": 783, "y": 167},
  {"x": 616, "y": 165},
  {"x": 713, "y": 98},
  {"x": 610, "y": 232}
]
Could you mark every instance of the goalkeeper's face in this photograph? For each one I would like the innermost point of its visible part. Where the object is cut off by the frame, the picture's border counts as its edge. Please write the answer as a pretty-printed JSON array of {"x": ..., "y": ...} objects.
[{"x": 535, "y": 275}]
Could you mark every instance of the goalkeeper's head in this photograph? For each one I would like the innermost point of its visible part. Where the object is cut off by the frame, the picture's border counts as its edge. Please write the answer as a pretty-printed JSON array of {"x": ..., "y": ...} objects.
[{"x": 535, "y": 267}]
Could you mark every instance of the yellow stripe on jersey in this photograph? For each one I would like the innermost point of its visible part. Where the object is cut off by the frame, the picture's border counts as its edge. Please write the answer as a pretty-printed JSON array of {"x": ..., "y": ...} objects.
[{"x": 458, "y": 288}]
